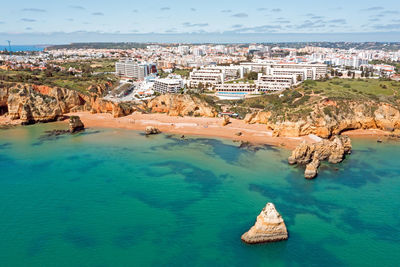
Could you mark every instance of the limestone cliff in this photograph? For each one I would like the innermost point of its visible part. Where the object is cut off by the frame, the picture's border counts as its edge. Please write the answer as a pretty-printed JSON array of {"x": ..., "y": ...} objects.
[
  {"x": 32, "y": 103},
  {"x": 29, "y": 106},
  {"x": 3, "y": 99},
  {"x": 328, "y": 118},
  {"x": 181, "y": 105},
  {"x": 269, "y": 227}
]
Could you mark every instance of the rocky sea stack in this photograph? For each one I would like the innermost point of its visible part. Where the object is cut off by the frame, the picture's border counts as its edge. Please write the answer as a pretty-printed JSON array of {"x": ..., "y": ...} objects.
[
  {"x": 151, "y": 130},
  {"x": 311, "y": 155},
  {"x": 75, "y": 124},
  {"x": 269, "y": 227}
]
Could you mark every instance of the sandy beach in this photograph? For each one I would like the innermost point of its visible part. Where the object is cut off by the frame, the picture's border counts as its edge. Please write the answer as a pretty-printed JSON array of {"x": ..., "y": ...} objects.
[{"x": 200, "y": 126}]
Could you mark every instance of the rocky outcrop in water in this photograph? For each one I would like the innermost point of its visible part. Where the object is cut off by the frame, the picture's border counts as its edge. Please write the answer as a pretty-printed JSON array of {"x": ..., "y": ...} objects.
[
  {"x": 333, "y": 150},
  {"x": 269, "y": 227},
  {"x": 151, "y": 130},
  {"x": 75, "y": 124},
  {"x": 181, "y": 105}
]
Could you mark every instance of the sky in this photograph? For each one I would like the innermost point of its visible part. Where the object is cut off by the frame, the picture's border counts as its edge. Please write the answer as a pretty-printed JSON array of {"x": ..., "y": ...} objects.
[{"x": 39, "y": 21}]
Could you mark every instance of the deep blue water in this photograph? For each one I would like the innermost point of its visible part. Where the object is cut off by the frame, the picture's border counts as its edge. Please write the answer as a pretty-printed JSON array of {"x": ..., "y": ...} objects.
[{"x": 116, "y": 198}]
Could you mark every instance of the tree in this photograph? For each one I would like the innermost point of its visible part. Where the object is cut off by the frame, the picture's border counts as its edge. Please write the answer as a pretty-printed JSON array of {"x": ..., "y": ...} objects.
[
  {"x": 299, "y": 79},
  {"x": 48, "y": 73},
  {"x": 348, "y": 73},
  {"x": 200, "y": 86},
  {"x": 252, "y": 75}
]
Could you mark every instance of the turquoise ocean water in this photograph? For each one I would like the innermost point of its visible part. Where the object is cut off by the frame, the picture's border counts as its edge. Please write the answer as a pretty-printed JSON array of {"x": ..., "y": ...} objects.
[{"x": 116, "y": 198}]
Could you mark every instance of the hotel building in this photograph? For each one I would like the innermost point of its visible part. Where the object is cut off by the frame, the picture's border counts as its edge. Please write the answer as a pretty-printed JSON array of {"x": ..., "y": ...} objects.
[
  {"x": 134, "y": 70},
  {"x": 164, "y": 86},
  {"x": 313, "y": 71},
  {"x": 209, "y": 77}
]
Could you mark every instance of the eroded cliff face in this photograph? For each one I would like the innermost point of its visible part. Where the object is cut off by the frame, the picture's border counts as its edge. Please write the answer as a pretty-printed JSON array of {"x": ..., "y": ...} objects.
[
  {"x": 326, "y": 119},
  {"x": 32, "y": 103},
  {"x": 29, "y": 106},
  {"x": 3, "y": 100},
  {"x": 181, "y": 105}
]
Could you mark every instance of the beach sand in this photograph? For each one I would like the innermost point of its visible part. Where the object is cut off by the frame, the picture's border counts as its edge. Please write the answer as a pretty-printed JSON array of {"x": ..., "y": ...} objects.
[{"x": 200, "y": 126}]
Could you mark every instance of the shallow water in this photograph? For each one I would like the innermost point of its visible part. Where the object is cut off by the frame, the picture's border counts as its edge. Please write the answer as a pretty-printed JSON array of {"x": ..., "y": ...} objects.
[{"x": 116, "y": 198}]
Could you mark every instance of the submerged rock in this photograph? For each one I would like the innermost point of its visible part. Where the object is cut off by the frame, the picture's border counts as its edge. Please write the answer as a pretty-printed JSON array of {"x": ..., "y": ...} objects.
[
  {"x": 75, "y": 124},
  {"x": 269, "y": 227},
  {"x": 151, "y": 130},
  {"x": 333, "y": 150}
]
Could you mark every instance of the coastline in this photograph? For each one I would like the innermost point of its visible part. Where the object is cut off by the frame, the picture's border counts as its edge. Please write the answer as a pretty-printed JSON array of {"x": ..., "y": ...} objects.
[
  {"x": 200, "y": 126},
  {"x": 203, "y": 126}
]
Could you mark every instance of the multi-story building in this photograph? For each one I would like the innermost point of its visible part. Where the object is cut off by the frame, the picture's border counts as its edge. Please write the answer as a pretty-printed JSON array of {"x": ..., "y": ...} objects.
[
  {"x": 134, "y": 70},
  {"x": 275, "y": 82},
  {"x": 313, "y": 71},
  {"x": 235, "y": 90},
  {"x": 230, "y": 72},
  {"x": 207, "y": 77},
  {"x": 164, "y": 86},
  {"x": 300, "y": 74}
]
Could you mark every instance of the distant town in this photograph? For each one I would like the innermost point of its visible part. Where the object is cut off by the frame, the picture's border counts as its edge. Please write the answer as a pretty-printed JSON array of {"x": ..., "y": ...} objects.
[{"x": 226, "y": 71}]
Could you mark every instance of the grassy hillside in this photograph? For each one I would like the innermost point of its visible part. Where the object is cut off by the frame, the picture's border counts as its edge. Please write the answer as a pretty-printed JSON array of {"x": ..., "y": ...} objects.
[
  {"x": 56, "y": 78},
  {"x": 299, "y": 102}
]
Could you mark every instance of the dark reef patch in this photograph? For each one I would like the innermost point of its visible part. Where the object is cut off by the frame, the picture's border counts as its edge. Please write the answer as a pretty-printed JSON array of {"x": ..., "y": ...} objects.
[{"x": 79, "y": 238}]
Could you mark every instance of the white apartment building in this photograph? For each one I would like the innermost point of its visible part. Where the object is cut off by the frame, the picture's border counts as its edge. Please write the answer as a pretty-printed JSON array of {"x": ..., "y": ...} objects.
[
  {"x": 164, "y": 86},
  {"x": 209, "y": 77},
  {"x": 275, "y": 82},
  {"x": 132, "y": 69},
  {"x": 265, "y": 83},
  {"x": 304, "y": 74},
  {"x": 314, "y": 71},
  {"x": 183, "y": 49},
  {"x": 230, "y": 72},
  {"x": 236, "y": 87}
]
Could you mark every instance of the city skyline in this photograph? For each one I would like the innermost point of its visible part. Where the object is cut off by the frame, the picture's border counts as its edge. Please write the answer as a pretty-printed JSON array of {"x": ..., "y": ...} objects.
[{"x": 123, "y": 20}]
